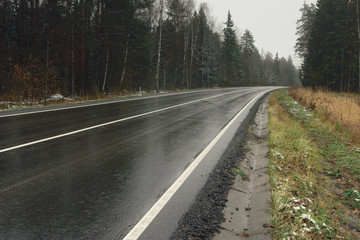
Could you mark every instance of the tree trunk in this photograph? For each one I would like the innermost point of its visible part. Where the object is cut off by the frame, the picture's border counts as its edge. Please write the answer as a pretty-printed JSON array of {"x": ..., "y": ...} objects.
[
  {"x": 164, "y": 78},
  {"x": 185, "y": 75},
  {"x": 71, "y": 47},
  {"x": 106, "y": 66},
  {"x": 88, "y": 86},
  {"x": 125, "y": 60},
  {"x": 358, "y": 25},
  {"x": 202, "y": 61},
  {"x": 82, "y": 48},
  {"x": 97, "y": 16},
  {"x": 193, "y": 45},
  {"x": 2, "y": 29},
  {"x": 37, "y": 4},
  {"x": 209, "y": 64},
  {"x": 159, "y": 45},
  {"x": 72, "y": 61},
  {"x": 342, "y": 73},
  {"x": 46, "y": 67},
  {"x": 349, "y": 73}
]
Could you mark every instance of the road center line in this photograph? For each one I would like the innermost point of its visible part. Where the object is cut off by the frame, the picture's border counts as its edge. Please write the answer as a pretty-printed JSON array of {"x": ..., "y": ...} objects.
[
  {"x": 140, "y": 227},
  {"x": 109, "y": 123}
]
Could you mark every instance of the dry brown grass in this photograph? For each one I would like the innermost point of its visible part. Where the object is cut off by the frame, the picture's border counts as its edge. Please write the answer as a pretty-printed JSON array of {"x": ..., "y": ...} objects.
[{"x": 341, "y": 109}]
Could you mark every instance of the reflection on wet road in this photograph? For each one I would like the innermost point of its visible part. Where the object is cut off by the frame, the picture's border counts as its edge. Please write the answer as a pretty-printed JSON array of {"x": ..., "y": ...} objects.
[{"x": 97, "y": 184}]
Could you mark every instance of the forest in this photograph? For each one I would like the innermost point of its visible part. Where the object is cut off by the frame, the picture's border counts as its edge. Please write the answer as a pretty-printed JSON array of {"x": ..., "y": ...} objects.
[
  {"x": 91, "y": 47},
  {"x": 328, "y": 41}
]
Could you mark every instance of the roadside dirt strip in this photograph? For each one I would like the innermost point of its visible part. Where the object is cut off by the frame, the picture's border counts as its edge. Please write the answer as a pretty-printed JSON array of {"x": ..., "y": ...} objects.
[{"x": 246, "y": 211}]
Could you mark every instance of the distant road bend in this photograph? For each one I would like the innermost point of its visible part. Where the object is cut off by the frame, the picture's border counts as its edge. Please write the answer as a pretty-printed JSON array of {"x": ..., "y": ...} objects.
[{"x": 115, "y": 169}]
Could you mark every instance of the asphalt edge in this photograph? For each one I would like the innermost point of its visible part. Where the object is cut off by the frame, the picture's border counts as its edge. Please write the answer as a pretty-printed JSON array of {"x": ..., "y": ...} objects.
[{"x": 205, "y": 216}]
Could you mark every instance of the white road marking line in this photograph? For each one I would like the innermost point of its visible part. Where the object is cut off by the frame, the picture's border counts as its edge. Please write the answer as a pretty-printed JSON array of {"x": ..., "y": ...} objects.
[
  {"x": 140, "y": 227},
  {"x": 92, "y": 105},
  {"x": 109, "y": 123}
]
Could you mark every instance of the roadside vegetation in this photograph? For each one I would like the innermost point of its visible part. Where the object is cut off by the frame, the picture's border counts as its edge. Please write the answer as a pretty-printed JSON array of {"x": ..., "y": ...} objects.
[
  {"x": 314, "y": 165},
  {"x": 341, "y": 111}
]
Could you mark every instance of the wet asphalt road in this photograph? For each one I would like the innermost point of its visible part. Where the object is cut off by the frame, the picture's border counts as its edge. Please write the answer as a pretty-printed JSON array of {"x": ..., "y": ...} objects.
[{"x": 98, "y": 183}]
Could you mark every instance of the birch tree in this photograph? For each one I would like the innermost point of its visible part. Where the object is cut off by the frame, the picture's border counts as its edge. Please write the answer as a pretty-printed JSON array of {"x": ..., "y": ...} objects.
[{"x": 160, "y": 26}]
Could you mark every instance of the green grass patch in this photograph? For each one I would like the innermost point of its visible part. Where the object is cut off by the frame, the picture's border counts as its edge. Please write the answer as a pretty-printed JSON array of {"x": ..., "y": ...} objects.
[
  {"x": 352, "y": 196},
  {"x": 314, "y": 174},
  {"x": 246, "y": 148},
  {"x": 237, "y": 171}
]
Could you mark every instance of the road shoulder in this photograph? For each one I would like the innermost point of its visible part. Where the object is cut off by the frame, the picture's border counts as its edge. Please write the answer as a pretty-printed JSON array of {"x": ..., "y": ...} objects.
[
  {"x": 205, "y": 217},
  {"x": 246, "y": 211}
]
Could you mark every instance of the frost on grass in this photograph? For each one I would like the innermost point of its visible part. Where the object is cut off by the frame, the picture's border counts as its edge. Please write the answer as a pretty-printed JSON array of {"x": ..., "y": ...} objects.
[
  {"x": 277, "y": 154},
  {"x": 57, "y": 97},
  {"x": 29, "y": 104},
  {"x": 306, "y": 221},
  {"x": 353, "y": 197},
  {"x": 297, "y": 208},
  {"x": 298, "y": 110}
]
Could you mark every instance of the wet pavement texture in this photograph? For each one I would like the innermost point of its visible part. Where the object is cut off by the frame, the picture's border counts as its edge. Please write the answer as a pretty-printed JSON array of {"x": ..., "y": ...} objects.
[{"x": 98, "y": 184}]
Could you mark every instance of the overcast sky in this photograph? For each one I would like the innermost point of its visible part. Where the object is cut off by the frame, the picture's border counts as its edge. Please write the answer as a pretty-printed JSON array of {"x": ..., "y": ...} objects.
[{"x": 272, "y": 22}]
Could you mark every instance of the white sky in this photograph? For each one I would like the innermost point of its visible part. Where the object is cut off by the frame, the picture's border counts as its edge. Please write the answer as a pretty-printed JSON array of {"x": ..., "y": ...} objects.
[{"x": 272, "y": 22}]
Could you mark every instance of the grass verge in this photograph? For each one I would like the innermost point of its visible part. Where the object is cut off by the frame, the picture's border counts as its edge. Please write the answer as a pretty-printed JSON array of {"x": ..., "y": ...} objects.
[{"x": 314, "y": 174}]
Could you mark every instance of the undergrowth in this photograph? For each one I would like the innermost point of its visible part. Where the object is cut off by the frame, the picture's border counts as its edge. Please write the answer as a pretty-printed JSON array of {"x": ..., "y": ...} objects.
[{"x": 315, "y": 175}]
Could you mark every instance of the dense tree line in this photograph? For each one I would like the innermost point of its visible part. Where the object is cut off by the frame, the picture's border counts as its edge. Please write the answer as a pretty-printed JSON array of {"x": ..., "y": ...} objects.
[
  {"x": 81, "y": 47},
  {"x": 329, "y": 44}
]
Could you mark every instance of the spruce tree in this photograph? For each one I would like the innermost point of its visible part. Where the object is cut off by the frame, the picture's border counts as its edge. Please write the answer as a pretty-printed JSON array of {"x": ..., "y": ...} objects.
[
  {"x": 231, "y": 59},
  {"x": 248, "y": 49},
  {"x": 277, "y": 69},
  {"x": 304, "y": 25},
  {"x": 331, "y": 59}
]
